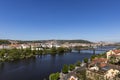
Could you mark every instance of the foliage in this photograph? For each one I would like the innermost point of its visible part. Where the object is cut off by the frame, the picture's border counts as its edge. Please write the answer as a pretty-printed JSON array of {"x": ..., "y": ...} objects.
[
  {"x": 53, "y": 50},
  {"x": 61, "y": 50},
  {"x": 102, "y": 55},
  {"x": 93, "y": 57},
  {"x": 54, "y": 76},
  {"x": 118, "y": 47},
  {"x": 112, "y": 60},
  {"x": 71, "y": 67},
  {"x": 15, "y": 54},
  {"x": 65, "y": 69},
  {"x": 78, "y": 63},
  {"x": 4, "y": 42},
  {"x": 118, "y": 74},
  {"x": 60, "y": 41},
  {"x": 74, "y": 41},
  {"x": 81, "y": 74},
  {"x": 86, "y": 60},
  {"x": 2, "y": 52}
]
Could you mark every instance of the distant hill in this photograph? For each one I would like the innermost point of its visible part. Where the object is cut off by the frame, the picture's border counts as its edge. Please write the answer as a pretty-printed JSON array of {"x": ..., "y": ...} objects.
[
  {"x": 74, "y": 41},
  {"x": 117, "y": 43},
  {"x": 43, "y": 41},
  {"x": 59, "y": 41},
  {"x": 4, "y": 42}
]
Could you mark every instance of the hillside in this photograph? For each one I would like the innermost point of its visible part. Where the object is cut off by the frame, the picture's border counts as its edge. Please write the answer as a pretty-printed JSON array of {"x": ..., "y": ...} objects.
[
  {"x": 43, "y": 41},
  {"x": 4, "y": 42},
  {"x": 59, "y": 41}
]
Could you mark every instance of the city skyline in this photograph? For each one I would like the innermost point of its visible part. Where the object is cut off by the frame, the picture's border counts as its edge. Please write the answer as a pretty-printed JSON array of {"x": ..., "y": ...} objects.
[{"x": 64, "y": 19}]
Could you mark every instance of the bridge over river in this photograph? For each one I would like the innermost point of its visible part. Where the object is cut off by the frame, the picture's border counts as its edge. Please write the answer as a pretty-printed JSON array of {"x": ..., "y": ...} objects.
[{"x": 94, "y": 49}]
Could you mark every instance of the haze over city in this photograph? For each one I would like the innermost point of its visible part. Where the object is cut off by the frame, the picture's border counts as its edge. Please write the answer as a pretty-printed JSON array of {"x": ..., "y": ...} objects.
[{"x": 60, "y": 19}]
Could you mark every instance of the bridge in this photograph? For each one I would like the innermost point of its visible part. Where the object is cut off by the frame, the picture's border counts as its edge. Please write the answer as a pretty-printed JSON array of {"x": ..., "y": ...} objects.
[{"x": 94, "y": 49}]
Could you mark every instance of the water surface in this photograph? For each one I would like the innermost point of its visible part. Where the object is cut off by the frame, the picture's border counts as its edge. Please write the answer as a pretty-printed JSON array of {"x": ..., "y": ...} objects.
[{"x": 40, "y": 67}]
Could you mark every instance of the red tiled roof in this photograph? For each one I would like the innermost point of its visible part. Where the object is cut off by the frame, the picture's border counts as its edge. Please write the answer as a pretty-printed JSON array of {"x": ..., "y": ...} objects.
[
  {"x": 72, "y": 79},
  {"x": 116, "y": 51},
  {"x": 103, "y": 65},
  {"x": 115, "y": 55},
  {"x": 100, "y": 60}
]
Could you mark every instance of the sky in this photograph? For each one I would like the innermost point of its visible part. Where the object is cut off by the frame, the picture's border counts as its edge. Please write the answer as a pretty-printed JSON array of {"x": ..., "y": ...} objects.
[{"x": 94, "y": 20}]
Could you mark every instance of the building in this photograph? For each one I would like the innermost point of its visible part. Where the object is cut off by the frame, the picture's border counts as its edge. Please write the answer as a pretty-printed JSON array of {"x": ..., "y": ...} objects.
[
  {"x": 99, "y": 69},
  {"x": 101, "y": 62},
  {"x": 113, "y": 56},
  {"x": 24, "y": 46},
  {"x": 102, "y": 74},
  {"x": 73, "y": 78},
  {"x": 112, "y": 52},
  {"x": 111, "y": 74},
  {"x": 5, "y": 47}
]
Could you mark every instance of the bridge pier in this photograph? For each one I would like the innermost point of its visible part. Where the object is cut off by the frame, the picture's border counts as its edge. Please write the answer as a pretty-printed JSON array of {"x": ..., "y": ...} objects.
[
  {"x": 79, "y": 51},
  {"x": 93, "y": 51}
]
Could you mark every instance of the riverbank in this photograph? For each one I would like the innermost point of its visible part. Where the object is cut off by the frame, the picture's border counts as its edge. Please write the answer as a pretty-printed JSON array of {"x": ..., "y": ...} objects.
[
  {"x": 40, "y": 67},
  {"x": 98, "y": 67},
  {"x": 77, "y": 70},
  {"x": 18, "y": 54}
]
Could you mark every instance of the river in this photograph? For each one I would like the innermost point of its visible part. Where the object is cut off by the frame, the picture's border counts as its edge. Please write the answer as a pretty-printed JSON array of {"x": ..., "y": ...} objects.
[{"x": 40, "y": 67}]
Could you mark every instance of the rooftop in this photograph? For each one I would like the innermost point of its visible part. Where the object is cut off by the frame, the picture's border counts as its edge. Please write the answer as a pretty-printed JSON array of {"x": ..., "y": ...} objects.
[{"x": 116, "y": 51}]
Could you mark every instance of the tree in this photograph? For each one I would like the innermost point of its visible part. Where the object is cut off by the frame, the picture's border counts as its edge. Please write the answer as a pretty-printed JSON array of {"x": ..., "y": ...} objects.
[
  {"x": 86, "y": 60},
  {"x": 2, "y": 53},
  {"x": 93, "y": 57},
  {"x": 65, "y": 69},
  {"x": 54, "y": 76},
  {"x": 78, "y": 63},
  {"x": 71, "y": 67},
  {"x": 53, "y": 50},
  {"x": 4, "y": 42},
  {"x": 118, "y": 75},
  {"x": 45, "y": 51},
  {"x": 14, "y": 54},
  {"x": 61, "y": 50},
  {"x": 112, "y": 59},
  {"x": 40, "y": 52}
]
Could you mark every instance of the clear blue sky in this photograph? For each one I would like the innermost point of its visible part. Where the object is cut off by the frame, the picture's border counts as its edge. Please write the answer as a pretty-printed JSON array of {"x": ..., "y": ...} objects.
[{"x": 94, "y": 20}]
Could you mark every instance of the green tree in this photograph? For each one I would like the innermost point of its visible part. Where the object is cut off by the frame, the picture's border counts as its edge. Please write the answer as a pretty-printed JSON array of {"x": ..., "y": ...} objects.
[
  {"x": 2, "y": 53},
  {"x": 61, "y": 50},
  {"x": 53, "y": 50},
  {"x": 14, "y": 54},
  {"x": 65, "y": 69},
  {"x": 71, "y": 67},
  {"x": 112, "y": 60},
  {"x": 28, "y": 53},
  {"x": 86, "y": 60},
  {"x": 4, "y": 42},
  {"x": 92, "y": 57},
  {"x": 78, "y": 63},
  {"x": 40, "y": 52},
  {"x": 54, "y": 76}
]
